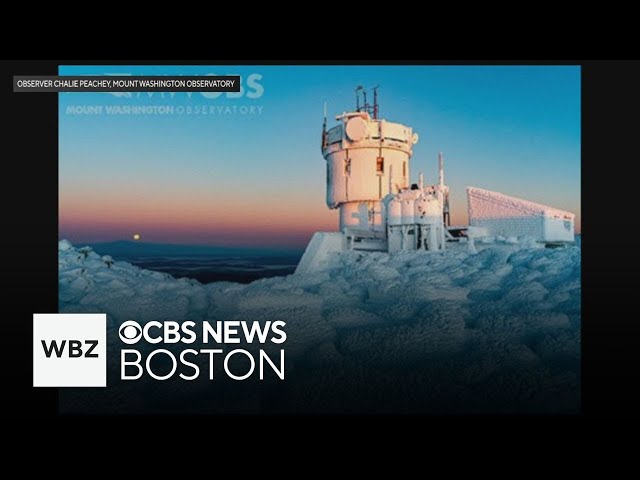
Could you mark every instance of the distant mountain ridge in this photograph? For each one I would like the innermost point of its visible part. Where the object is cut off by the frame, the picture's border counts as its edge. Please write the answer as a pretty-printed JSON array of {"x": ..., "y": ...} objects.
[{"x": 124, "y": 248}]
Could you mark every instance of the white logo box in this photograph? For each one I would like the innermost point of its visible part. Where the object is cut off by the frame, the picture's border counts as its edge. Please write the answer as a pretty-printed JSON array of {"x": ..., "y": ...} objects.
[{"x": 75, "y": 359}]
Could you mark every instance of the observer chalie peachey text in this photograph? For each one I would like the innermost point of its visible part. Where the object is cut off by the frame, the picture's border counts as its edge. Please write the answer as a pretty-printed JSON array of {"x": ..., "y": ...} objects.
[{"x": 126, "y": 83}]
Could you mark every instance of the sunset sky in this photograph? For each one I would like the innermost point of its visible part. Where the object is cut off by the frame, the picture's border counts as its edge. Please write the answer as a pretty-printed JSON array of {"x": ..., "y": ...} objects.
[{"x": 192, "y": 169}]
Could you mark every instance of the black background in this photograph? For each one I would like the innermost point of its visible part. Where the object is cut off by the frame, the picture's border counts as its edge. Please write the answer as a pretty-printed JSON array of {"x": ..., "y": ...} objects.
[{"x": 610, "y": 137}]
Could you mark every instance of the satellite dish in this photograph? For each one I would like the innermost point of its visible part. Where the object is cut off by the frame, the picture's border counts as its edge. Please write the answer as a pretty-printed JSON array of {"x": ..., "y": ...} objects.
[
  {"x": 356, "y": 129},
  {"x": 415, "y": 138}
]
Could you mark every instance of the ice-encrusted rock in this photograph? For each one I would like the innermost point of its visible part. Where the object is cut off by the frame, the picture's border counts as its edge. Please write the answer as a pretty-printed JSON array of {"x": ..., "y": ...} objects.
[{"x": 450, "y": 321}]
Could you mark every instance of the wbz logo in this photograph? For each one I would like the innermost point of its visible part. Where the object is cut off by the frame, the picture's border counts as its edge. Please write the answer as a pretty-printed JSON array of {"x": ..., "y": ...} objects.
[
  {"x": 74, "y": 351},
  {"x": 69, "y": 350}
]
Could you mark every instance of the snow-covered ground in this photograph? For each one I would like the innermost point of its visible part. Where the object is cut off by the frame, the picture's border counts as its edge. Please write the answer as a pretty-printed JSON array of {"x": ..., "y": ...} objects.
[{"x": 415, "y": 332}]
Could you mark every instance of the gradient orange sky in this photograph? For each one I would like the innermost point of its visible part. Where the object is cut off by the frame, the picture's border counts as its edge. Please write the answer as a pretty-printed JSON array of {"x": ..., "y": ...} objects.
[
  {"x": 258, "y": 178},
  {"x": 193, "y": 217}
]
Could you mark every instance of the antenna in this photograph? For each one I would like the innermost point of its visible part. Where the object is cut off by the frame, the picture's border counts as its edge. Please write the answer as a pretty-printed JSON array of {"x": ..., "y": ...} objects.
[
  {"x": 364, "y": 95},
  {"x": 324, "y": 127},
  {"x": 375, "y": 102},
  {"x": 358, "y": 88},
  {"x": 446, "y": 215}
]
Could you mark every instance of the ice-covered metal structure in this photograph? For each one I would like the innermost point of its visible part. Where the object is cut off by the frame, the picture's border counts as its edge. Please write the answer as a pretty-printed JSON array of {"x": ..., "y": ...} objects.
[
  {"x": 368, "y": 181},
  {"x": 500, "y": 215}
]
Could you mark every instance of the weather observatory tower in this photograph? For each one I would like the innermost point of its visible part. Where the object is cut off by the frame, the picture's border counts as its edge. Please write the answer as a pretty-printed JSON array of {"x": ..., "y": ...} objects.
[
  {"x": 367, "y": 159},
  {"x": 381, "y": 210},
  {"x": 368, "y": 181}
]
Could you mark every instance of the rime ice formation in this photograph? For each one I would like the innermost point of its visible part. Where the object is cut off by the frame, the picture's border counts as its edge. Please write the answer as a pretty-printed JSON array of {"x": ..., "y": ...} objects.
[
  {"x": 503, "y": 215},
  {"x": 395, "y": 312},
  {"x": 368, "y": 181},
  {"x": 499, "y": 329}
]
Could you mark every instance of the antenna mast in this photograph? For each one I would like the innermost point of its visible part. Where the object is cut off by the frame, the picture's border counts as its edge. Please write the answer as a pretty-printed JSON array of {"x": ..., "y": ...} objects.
[
  {"x": 446, "y": 215},
  {"x": 358, "y": 88},
  {"x": 372, "y": 110},
  {"x": 375, "y": 102},
  {"x": 324, "y": 127}
]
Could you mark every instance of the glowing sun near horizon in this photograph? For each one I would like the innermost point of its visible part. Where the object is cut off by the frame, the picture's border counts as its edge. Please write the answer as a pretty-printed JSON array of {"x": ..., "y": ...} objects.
[{"x": 136, "y": 236}]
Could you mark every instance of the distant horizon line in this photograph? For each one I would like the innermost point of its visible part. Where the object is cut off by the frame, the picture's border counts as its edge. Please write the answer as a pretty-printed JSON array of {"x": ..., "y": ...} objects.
[
  {"x": 169, "y": 243},
  {"x": 197, "y": 245}
]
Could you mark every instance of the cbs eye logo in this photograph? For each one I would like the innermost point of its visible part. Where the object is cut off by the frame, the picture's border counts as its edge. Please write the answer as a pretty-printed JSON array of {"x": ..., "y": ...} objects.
[{"x": 130, "y": 332}]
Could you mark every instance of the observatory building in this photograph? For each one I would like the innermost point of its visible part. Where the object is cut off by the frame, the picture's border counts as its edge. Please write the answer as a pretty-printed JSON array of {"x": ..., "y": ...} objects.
[{"x": 368, "y": 181}]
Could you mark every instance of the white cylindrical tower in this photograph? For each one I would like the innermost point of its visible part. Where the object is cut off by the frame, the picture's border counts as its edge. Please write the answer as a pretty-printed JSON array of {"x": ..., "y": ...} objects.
[
  {"x": 429, "y": 220},
  {"x": 428, "y": 210},
  {"x": 394, "y": 212},
  {"x": 367, "y": 158},
  {"x": 408, "y": 207}
]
